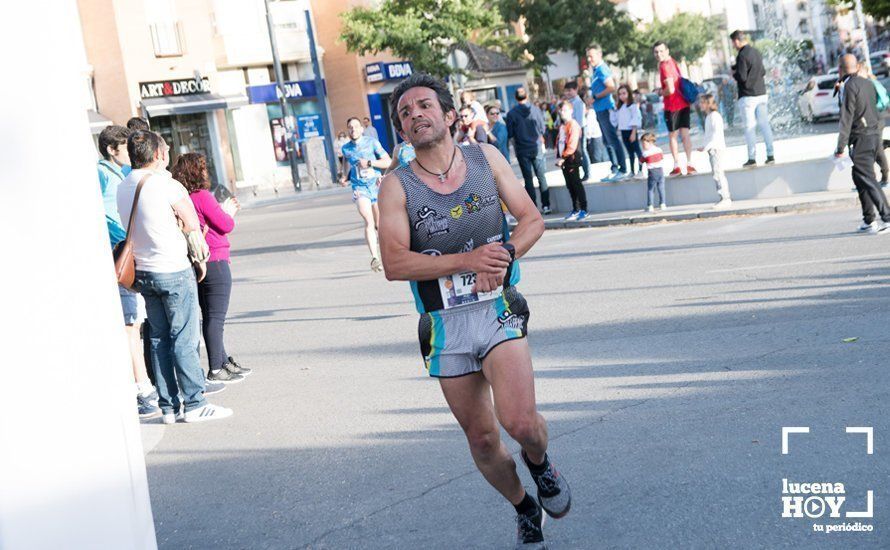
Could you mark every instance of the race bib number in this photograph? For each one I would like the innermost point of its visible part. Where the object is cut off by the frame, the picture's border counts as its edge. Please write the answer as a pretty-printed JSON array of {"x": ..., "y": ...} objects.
[
  {"x": 367, "y": 173},
  {"x": 457, "y": 290}
]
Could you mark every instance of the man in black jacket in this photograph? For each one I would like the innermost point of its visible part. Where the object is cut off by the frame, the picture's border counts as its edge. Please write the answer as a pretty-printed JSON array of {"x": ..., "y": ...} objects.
[
  {"x": 749, "y": 73},
  {"x": 525, "y": 126},
  {"x": 860, "y": 128}
]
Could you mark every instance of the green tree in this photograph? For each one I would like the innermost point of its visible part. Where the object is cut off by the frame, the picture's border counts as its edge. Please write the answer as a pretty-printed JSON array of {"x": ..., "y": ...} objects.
[
  {"x": 570, "y": 25},
  {"x": 422, "y": 31},
  {"x": 879, "y": 9},
  {"x": 687, "y": 35}
]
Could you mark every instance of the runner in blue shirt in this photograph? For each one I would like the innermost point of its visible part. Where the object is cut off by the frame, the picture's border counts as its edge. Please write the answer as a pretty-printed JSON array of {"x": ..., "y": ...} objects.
[{"x": 365, "y": 159}]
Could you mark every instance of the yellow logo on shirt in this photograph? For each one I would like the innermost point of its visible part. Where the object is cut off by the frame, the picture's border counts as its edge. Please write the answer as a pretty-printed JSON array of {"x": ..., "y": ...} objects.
[{"x": 457, "y": 212}]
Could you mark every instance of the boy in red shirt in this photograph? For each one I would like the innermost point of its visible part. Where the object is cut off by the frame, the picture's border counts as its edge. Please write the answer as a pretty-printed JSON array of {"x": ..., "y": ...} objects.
[{"x": 676, "y": 108}]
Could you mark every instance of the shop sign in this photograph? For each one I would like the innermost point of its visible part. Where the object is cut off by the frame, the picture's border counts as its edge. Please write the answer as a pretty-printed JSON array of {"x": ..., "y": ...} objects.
[
  {"x": 171, "y": 88},
  {"x": 268, "y": 93},
  {"x": 376, "y": 72},
  {"x": 309, "y": 126}
]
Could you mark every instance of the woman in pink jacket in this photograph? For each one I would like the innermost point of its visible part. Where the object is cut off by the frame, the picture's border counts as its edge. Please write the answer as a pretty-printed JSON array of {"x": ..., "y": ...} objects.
[{"x": 214, "y": 291}]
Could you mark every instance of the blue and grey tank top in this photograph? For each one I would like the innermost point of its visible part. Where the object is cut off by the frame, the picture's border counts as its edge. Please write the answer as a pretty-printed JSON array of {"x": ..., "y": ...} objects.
[{"x": 458, "y": 222}]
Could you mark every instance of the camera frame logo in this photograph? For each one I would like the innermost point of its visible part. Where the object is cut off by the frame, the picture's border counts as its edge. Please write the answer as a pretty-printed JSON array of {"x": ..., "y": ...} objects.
[{"x": 825, "y": 499}]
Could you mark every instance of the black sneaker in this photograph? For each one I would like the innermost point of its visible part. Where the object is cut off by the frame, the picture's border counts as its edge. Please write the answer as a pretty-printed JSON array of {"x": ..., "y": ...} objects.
[
  {"x": 146, "y": 408},
  {"x": 236, "y": 368},
  {"x": 213, "y": 387},
  {"x": 750, "y": 163},
  {"x": 554, "y": 493},
  {"x": 529, "y": 531},
  {"x": 770, "y": 160},
  {"x": 224, "y": 376}
]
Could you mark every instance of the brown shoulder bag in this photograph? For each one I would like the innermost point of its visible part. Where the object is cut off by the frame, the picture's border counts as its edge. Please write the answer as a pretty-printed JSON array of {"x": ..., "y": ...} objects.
[{"x": 124, "y": 260}]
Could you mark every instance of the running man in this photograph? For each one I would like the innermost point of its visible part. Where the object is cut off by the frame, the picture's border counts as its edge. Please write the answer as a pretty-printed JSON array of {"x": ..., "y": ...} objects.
[
  {"x": 365, "y": 158},
  {"x": 443, "y": 230}
]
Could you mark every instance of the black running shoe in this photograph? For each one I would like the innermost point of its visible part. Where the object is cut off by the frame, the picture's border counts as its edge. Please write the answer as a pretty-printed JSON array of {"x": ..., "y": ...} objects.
[
  {"x": 529, "y": 531},
  {"x": 224, "y": 376},
  {"x": 750, "y": 163},
  {"x": 554, "y": 493},
  {"x": 236, "y": 368},
  {"x": 770, "y": 160},
  {"x": 213, "y": 387}
]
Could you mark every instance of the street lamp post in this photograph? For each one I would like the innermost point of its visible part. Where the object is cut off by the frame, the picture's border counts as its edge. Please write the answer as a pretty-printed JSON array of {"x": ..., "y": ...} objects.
[
  {"x": 282, "y": 98},
  {"x": 323, "y": 105}
]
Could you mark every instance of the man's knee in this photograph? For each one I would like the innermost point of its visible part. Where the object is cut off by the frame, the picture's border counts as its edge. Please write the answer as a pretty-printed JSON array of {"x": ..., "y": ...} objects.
[
  {"x": 484, "y": 443},
  {"x": 522, "y": 428}
]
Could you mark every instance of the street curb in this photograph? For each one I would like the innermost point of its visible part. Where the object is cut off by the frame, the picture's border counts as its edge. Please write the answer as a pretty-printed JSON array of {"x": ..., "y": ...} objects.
[
  {"x": 297, "y": 197},
  {"x": 703, "y": 214}
]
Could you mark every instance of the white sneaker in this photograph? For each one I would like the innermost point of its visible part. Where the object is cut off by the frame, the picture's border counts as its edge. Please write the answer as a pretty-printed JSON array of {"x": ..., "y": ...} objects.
[
  {"x": 207, "y": 413},
  {"x": 662, "y": 206},
  {"x": 865, "y": 227},
  {"x": 723, "y": 203},
  {"x": 649, "y": 208},
  {"x": 169, "y": 418},
  {"x": 882, "y": 228}
]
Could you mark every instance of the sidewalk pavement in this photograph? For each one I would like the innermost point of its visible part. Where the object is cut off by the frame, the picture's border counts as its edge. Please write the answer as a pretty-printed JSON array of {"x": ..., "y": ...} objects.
[{"x": 795, "y": 203}]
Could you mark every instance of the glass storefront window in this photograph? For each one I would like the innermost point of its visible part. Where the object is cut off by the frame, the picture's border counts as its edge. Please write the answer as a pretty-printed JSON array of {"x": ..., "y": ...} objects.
[{"x": 187, "y": 134}]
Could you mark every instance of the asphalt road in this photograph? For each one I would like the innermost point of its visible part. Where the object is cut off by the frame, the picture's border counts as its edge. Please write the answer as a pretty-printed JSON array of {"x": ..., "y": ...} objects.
[{"x": 668, "y": 357}]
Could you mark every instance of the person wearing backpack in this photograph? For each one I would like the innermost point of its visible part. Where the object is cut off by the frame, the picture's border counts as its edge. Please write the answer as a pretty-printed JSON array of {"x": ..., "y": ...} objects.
[
  {"x": 676, "y": 107},
  {"x": 749, "y": 73}
]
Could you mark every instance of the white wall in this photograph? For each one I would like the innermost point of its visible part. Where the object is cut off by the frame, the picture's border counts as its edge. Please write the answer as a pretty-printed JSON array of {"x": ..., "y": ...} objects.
[
  {"x": 255, "y": 147},
  {"x": 72, "y": 472}
]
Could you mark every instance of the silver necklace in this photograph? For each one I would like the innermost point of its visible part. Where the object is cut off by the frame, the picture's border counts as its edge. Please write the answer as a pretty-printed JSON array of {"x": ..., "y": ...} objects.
[{"x": 442, "y": 175}]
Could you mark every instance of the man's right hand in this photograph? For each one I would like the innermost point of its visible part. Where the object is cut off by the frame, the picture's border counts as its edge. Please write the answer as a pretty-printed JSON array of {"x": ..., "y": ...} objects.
[{"x": 490, "y": 258}]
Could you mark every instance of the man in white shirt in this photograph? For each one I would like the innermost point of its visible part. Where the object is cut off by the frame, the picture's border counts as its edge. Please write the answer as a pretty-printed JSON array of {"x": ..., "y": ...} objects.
[{"x": 165, "y": 278}]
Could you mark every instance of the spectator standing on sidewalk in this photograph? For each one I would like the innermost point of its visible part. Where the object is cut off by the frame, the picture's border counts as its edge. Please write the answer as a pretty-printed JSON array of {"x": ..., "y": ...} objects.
[
  {"x": 654, "y": 158},
  {"x": 137, "y": 123},
  {"x": 676, "y": 108},
  {"x": 525, "y": 126},
  {"x": 749, "y": 73},
  {"x": 859, "y": 128},
  {"x": 593, "y": 135},
  {"x": 166, "y": 279},
  {"x": 570, "y": 93},
  {"x": 602, "y": 86},
  {"x": 468, "y": 99},
  {"x": 112, "y": 169},
  {"x": 630, "y": 120},
  {"x": 569, "y": 159},
  {"x": 214, "y": 291},
  {"x": 369, "y": 129},
  {"x": 497, "y": 133},
  {"x": 715, "y": 146}
]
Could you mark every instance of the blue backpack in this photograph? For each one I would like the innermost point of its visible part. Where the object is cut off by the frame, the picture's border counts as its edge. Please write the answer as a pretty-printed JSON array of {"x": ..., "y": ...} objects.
[{"x": 690, "y": 90}]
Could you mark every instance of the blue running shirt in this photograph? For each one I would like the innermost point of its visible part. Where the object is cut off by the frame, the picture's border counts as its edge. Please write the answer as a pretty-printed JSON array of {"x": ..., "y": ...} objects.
[{"x": 366, "y": 148}]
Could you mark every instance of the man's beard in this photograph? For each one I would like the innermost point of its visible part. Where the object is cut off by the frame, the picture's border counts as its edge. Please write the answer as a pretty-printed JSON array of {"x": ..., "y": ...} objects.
[{"x": 430, "y": 139}]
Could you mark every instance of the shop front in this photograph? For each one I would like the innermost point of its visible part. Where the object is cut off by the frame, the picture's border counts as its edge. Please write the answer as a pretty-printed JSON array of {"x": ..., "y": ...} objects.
[
  {"x": 383, "y": 78},
  {"x": 187, "y": 114},
  {"x": 303, "y": 104}
]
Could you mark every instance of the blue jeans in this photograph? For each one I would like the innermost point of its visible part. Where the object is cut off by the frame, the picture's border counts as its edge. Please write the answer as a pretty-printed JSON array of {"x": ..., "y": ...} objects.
[
  {"x": 755, "y": 113},
  {"x": 585, "y": 156},
  {"x": 596, "y": 150},
  {"x": 613, "y": 143},
  {"x": 534, "y": 163},
  {"x": 171, "y": 302},
  {"x": 655, "y": 181}
]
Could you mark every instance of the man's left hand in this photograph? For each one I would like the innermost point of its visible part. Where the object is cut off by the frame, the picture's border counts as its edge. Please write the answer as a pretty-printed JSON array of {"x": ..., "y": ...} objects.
[{"x": 486, "y": 282}]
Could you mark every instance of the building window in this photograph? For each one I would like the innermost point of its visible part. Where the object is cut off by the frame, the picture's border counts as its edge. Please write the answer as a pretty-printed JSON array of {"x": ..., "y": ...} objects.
[
  {"x": 167, "y": 39},
  {"x": 166, "y": 31}
]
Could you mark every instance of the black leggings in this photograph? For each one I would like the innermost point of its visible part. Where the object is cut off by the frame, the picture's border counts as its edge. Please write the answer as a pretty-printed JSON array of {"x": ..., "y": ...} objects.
[
  {"x": 633, "y": 150},
  {"x": 572, "y": 174},
  {"x": 213, "y": 297}
]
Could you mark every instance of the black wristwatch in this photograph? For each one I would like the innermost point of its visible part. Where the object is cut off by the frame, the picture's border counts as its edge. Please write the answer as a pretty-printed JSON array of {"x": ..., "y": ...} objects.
[{"x": 511, "y": 249}]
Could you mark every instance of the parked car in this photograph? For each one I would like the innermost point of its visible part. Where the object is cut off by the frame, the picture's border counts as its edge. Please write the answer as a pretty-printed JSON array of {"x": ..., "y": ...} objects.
[
  {"x": 817, "y": 98},
  {"x": 880, "y": 63}
]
